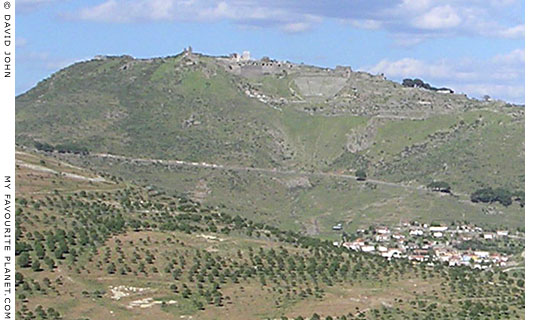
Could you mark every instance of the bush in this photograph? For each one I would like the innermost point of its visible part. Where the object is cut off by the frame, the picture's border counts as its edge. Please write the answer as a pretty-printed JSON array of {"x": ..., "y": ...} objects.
[
  {"x": 483, "y": 195},
  {"x": 36, "y": 266},
  {"x": 24, "y": 260},
  {"x": 418, "y": 83},
  {"x": 71, "y": 148},
  {"x": 489, "y": 195},
  {"x": 62, "y": 148},
  {"x": 43, "y": 146},
  {"x": 440, "y": 186},
  {"x": 408, "y": 83},
  {"x": 360, "y": 175},
  {"x": 519, "y": 196},
  {"x": 503, "y": 196}
]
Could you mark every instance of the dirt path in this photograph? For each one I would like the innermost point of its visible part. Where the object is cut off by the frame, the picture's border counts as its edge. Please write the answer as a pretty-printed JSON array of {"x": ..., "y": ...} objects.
[
  {"x": 251, "y": 169},
  {"x": 513, "y": 268},
  {"x": 65, "y": 174},
  {"x": 79, "y": 190},
  {"x": 274, "y": 171}
]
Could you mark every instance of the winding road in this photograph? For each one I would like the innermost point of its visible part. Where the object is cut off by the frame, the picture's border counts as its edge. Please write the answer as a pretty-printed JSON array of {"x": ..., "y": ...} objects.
[{"x": 251, "y": 169}]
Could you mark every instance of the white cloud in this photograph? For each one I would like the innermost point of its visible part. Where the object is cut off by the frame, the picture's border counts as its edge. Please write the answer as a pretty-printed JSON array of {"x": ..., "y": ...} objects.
[
  {"x": 369, "y": 24},
  {"x": 296, "y": 27},
  {"x": 513, "y": 32},
  {"x": 106, "y": 11},
  {"x": 503, "y": 2},
  {"x": 408, "y": 40},
  {"x": 409, "y": 67},
  {"x": 415, "y": 5},
  {"x": 514, "y": 57},
  {"x": 511, "y": 93},
  {"x": 32, "y": 2},
  {"x": 502, "y": 76},
  {"x": 30, "y": 5},
  {"x": 418, "y": 19},
  {"x": 438, "y": 18},
  {"x": 412, "y": 68}
]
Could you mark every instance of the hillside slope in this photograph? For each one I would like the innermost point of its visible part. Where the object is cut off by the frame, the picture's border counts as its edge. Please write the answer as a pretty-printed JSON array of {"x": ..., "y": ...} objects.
[
  {"x": 279, "y": 115},
  {"x": 107, "y": 249}
]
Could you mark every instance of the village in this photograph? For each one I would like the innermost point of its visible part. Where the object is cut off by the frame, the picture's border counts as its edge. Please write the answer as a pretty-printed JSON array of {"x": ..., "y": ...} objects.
[{"x": 454, "y": 245}]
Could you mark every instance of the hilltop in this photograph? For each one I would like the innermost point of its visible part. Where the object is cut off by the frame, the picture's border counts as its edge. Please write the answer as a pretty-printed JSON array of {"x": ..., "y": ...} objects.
[{"x": 280, "y": 142}]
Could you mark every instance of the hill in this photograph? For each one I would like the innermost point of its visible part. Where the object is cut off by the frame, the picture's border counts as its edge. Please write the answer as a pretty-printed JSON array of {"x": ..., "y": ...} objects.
[
  {"x": 280, "y": 142},
  {"x": 90, "y": 246}
]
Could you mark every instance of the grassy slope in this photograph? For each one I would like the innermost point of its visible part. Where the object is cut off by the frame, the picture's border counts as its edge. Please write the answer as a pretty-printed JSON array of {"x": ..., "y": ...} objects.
[
  {"x": 145, "y": 112},
  {"x": 312, "y": 207},
  {"x": 478, "y": 153},
  {"x": 80, "y": 288},
  {"x": 165, "y": 108},
  {"x": 317, "y": 140}
]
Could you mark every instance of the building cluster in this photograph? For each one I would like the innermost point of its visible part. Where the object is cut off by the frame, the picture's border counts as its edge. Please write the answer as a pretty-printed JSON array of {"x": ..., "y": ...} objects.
[{"x": 430, "y": 243}]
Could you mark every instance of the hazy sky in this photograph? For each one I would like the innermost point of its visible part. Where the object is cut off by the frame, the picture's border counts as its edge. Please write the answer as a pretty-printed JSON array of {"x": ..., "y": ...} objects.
[{"x": 473, "y": 46}]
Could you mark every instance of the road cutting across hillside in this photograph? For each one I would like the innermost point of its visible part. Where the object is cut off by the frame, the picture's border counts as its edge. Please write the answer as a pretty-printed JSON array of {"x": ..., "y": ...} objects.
[{"x": 254, "y": 169}]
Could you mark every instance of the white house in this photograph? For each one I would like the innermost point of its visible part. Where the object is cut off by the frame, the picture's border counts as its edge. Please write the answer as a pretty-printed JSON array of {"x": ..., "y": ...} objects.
[
  {"x": 368, "y": 248},
  {"x": 352, "y": 246},
  {"x": 355, "y": 245},
  {"x": 417, "y": 258},
  {"x": 482, "y": 254},
  {"x": 398, "y": 236},
  {"x": 392, "y": 253},
  {"x": 438, "y": 229}
]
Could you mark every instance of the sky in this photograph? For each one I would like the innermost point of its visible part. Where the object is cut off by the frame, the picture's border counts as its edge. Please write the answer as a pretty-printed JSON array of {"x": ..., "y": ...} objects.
[{"x": 472, "y": 46}]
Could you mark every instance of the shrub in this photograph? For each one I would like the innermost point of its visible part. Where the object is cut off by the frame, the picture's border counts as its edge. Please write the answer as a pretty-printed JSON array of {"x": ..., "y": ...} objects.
[
  {"x": 440, "y": 186},
  {"x": 489, "y": 195},
  {"x": 43, "y": 146},
  {"x": 71, "y": 148},
  {"x": 360, "y": 175},
  {"x": 483, "y": 195},
  {"x": 24, "y": 260}
]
